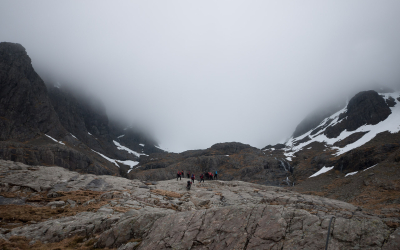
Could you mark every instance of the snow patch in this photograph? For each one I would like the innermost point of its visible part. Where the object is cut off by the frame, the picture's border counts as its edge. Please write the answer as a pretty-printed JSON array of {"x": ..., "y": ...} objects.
[
  {"x": 141, "y": 144},
  {"x": 108, "y": 159},
  {"x": 289, "y": 155},
  {"x": 62, "y": 143},
  {"x": 120, "y": 136},
  {"x": 370, "y": 167},
  {"x": 352, "y": 173},
  {"x": 74, "y": 136},
  {"x": 120, "y": 147},
  {"x": 89, "y": 133},
  {"x": 130, "y": 163},
  {"x": 321, "y": 171}
]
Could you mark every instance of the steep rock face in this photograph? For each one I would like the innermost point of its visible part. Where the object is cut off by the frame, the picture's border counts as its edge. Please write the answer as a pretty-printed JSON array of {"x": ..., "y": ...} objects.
[
  {"x": 25, "y": 109},
  {"x": 86, "y": 119},
  {"x": 367, "y": 107},
  {"x": 77, "y": 124}
]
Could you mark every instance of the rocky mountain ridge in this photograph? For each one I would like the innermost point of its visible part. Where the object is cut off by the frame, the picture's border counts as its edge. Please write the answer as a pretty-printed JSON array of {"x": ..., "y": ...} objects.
[
  {"x": 359, "y": 144},
  {"x": 352, "y": 155},
  {"x": 53, "y": 126}
]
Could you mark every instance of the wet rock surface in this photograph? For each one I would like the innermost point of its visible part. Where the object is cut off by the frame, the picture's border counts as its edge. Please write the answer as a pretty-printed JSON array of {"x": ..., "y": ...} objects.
[{"x": 212, "y": 215}]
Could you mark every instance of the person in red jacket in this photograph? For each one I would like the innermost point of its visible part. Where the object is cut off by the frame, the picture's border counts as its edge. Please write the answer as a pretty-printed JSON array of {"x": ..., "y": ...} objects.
[{"x": 201, "y": 178}]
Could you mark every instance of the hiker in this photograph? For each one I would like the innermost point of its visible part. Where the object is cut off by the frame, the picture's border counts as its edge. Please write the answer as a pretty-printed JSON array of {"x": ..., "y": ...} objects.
[
  {"x": 189, "y": 184},
  {"x": 178, "y": 175},
  {"x": 201, "y": 178},
  {"x": 212, "y": 176},
  {"x": 188, "y": 175},
  {"x": 216, "y": 175},
  {"x": 192, "y": 178}
]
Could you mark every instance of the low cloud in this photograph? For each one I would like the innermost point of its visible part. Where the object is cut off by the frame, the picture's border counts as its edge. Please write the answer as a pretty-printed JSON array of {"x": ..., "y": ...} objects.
[{"x": 198, "y": 73}]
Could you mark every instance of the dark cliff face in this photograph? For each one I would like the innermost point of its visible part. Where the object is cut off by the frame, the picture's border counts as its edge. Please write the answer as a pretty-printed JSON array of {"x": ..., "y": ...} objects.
[
  {"x": 367, "y": 107},
  {"x": 86, "y": 119},
  {"x": 25, "y": 109},
  {"x": 79, "y": 124}
]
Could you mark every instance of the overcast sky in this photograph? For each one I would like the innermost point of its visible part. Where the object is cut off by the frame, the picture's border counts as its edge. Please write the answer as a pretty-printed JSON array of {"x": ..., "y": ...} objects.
[{"x": 195, "y": 73}]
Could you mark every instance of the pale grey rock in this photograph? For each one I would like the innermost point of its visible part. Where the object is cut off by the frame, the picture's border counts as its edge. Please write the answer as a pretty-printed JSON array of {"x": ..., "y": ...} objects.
[
  {"x": 213, "y": 215},
  {"x": 129, "y": 246},
  {"x": 41, "y": 178},
  {"x": 83, "y": 224},
  {"x": 53, "y": 195},
  {"x": 393, "y": 241},
  {"x": 89, "y": 202},
  {"x": 71, "y": 203},
  {"x": 105, "y": 210},
  {"x": 56, "y": 204}
]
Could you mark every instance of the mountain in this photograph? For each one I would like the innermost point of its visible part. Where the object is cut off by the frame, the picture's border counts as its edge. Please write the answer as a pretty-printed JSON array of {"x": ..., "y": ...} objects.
[
  {"x": 342, "y": 161},
  {"x": 48, "y": 125},
  {"x": 53, "y": 208},
  {"x": 357, "y": 145},
  {"x": 352, "y": 155}
]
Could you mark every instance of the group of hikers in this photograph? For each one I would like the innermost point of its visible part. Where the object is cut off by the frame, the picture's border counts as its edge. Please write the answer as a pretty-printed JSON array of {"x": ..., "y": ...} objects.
[{"x": 206, "y": 175}]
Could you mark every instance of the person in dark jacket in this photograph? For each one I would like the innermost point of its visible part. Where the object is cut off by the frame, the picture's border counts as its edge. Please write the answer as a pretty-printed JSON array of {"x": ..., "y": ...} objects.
[
  {"x": 188, "y": 175},
  {"x": 178, "y": 175},
  {"x": 189, "y": 185},
  {"x": 192, "y": 178},
  {"x": 201, "y": 178}
]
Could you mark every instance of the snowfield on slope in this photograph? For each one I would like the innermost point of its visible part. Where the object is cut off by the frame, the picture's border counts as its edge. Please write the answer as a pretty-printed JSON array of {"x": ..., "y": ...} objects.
[
  {"x": 129, "y": 163},
  {"x": 390, "y": 124},
  {"x": 62, "y": 143},
  {"x": 321, "y": 171},
  {"x": 120, "y": 147}
]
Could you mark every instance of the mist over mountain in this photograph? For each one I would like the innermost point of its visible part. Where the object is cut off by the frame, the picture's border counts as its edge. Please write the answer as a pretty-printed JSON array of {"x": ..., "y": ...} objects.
[{"x": 196, "y": 73}]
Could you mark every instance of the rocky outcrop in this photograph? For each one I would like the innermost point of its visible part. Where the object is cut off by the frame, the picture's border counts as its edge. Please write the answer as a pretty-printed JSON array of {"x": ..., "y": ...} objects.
[
  {"x": 276, "y": 146},
  {"x": 367, "y": 107},
  {"x": 233, "y": 161},
  {"x": 25, "y": 109},
  {"x": 53, "y": 154},
  {"x": 164, "y": 215}
]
